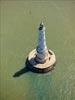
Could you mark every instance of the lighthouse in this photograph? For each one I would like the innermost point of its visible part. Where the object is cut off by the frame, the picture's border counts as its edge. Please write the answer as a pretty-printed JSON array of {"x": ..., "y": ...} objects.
[
  {"x": 41, "y": 59},
  {"x": 41, "y": 49}
]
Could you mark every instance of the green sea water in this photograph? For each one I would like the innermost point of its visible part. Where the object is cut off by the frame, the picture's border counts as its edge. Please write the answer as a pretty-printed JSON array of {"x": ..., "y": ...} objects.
[{"x": 18, "y": 36}]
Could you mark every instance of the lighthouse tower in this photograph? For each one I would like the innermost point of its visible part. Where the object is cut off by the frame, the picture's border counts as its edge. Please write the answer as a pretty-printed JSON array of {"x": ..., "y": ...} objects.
[
  {"x": 41, "y": 59},
  {"x": 42, "y": 51}
]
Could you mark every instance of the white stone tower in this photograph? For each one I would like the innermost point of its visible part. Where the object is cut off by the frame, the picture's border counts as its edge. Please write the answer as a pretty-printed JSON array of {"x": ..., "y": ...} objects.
[
  {"x": 42, "y": 51},
  {"x": 41, "y": 59}
]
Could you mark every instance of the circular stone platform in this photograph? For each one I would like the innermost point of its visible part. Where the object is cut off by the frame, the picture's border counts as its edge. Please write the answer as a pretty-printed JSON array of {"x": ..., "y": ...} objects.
[{"x": 38, "y": 67}]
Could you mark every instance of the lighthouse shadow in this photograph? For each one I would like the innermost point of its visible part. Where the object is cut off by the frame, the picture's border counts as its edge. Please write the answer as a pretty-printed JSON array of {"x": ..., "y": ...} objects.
[
  {"x": 29, "y": 68},
  {"x": 22, "y": 71}
]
